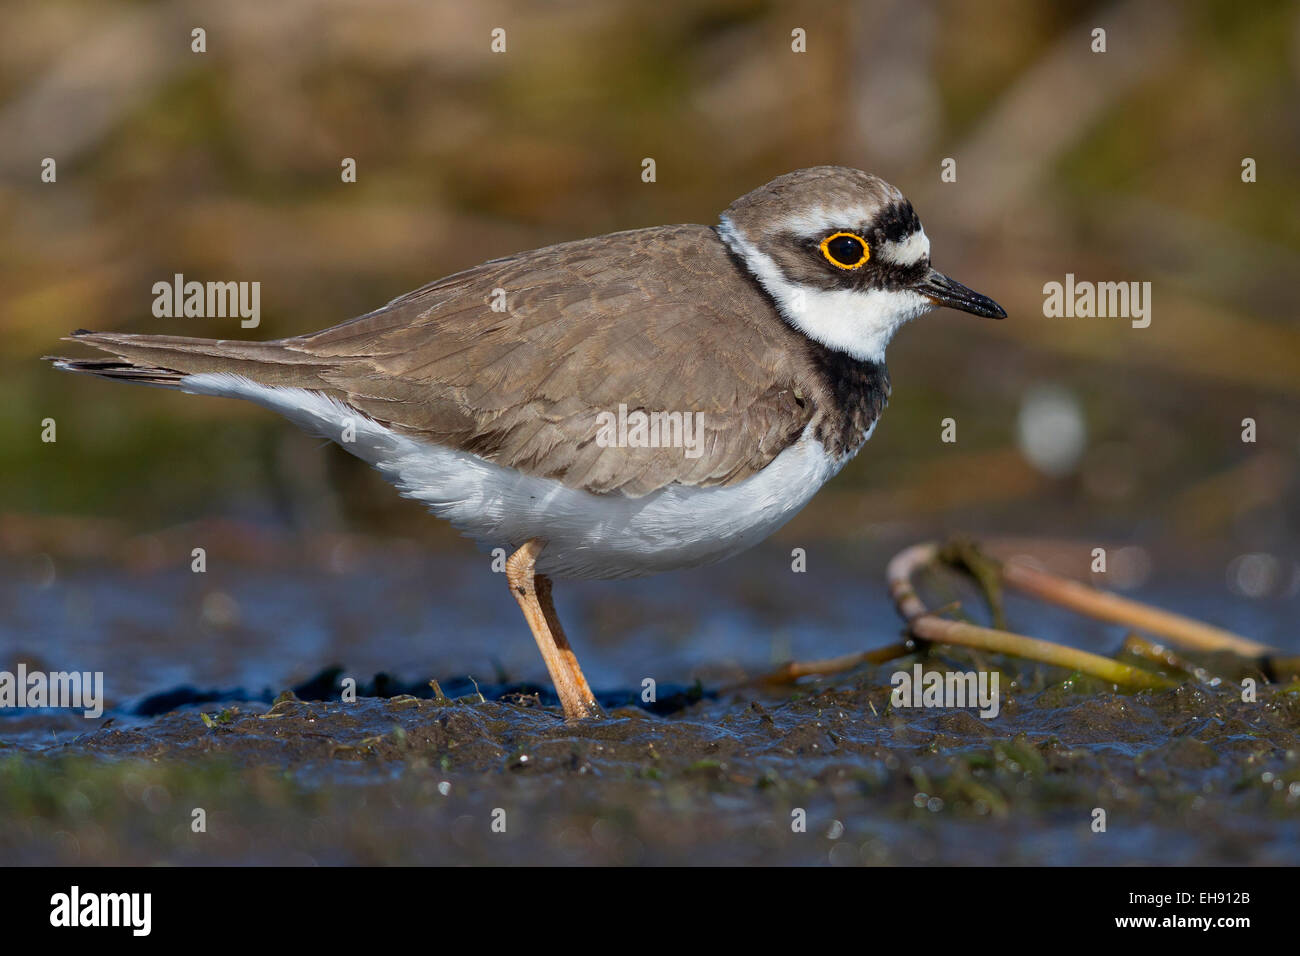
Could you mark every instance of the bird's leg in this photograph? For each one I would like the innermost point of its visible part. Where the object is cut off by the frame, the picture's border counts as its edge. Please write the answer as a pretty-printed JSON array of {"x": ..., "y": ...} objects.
[
  {"x": 587, "y": 698},
  {"x": 533, "y": 592}
]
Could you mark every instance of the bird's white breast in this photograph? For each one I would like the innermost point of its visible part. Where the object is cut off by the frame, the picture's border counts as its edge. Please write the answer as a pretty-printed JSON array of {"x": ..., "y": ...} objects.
[{"x": 587, "y": 535}]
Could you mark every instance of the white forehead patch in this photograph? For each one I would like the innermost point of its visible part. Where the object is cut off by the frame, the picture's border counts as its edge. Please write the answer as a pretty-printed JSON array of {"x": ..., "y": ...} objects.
[
  {"x": 819, "y": 220},
  {"x": 915, "y": 248}
]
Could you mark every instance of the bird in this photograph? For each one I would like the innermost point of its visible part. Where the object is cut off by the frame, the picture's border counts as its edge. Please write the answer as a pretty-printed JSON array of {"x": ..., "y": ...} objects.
[{"x": 534, "y": 401}]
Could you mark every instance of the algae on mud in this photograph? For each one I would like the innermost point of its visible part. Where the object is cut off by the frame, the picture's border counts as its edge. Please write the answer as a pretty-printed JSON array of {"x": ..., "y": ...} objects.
[
  {"x": 1193, "y": 774},
  {"x": 1186, "y": 775}
]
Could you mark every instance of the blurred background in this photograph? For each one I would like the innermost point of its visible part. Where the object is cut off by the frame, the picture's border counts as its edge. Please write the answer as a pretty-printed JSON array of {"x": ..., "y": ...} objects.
[
  {"x": 1072, "y": 434},
  {"x": 1116, "y": 166}
]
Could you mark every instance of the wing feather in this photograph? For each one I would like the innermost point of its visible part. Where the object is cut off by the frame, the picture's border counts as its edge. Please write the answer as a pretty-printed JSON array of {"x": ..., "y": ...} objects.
[{"x": 585, "y": 325}]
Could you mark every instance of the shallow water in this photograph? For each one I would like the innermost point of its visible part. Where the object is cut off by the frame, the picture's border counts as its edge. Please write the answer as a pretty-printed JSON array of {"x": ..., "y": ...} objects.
[{"x": 715, "y": 774}]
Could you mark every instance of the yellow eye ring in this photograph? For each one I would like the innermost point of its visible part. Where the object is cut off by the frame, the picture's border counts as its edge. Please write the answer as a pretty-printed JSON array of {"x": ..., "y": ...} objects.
[{"x": 846, "y": 249}]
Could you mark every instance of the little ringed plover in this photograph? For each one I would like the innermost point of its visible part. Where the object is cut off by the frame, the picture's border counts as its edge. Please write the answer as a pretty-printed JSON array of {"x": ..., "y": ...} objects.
[{"x": 491, "y": 395}]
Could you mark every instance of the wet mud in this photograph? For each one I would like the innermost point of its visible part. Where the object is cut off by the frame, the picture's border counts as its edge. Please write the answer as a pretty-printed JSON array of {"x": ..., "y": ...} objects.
[{"x": 213, "y": 728}]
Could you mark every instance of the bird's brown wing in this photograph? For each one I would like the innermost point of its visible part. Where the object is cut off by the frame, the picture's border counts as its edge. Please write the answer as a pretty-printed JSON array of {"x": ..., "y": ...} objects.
[{"x": 656, "y": 320}]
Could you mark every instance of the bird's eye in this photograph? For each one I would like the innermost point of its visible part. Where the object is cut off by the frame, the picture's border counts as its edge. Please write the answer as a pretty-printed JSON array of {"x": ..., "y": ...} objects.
[{"x": 844, "y": 250}]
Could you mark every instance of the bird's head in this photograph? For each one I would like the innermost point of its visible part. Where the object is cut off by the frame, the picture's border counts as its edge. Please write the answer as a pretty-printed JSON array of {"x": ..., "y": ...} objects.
[{"x": 843, "y": 255}]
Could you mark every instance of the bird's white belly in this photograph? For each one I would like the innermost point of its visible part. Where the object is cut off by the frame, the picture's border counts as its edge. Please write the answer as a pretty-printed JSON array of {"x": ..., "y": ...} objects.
[{"x": 587, "y": 535}]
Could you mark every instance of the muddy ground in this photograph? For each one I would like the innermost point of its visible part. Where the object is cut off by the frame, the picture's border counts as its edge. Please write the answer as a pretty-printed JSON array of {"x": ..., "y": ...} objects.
[{"x": 197, "y": 666}]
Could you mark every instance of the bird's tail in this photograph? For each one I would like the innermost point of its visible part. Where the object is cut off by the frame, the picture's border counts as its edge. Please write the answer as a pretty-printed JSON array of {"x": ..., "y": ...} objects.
[{"x": 166, "y": 360}]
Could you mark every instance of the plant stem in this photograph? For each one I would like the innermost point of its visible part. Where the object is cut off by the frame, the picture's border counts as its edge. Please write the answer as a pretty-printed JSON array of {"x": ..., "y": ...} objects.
[
  {"x": 1105, "y": 606},
  {"x": 925, "y": 625}
]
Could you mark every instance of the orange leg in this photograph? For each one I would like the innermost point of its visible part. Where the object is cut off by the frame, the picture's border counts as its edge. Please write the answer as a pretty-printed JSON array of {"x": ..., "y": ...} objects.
[{"x": 533, "y": 592}]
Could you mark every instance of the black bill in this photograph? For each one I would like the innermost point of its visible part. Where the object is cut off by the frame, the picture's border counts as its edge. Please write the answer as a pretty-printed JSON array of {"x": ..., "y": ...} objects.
[{"x": 941, "y": 290}]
